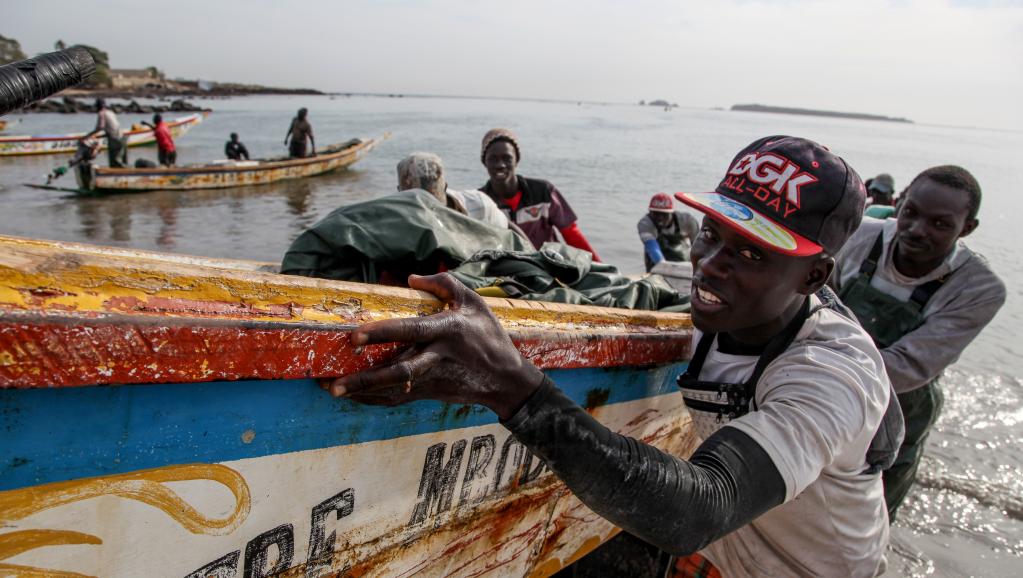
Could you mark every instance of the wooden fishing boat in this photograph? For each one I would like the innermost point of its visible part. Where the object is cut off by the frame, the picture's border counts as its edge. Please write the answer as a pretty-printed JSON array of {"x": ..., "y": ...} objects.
[
  {"x": 161, "y": 416},
  {"x": 68, "y": 143},
  {"x": 222, "y": 174}
]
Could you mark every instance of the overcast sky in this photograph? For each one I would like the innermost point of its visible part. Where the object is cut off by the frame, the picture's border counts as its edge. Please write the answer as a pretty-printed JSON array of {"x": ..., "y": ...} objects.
[{"x": 953, "y": 62}]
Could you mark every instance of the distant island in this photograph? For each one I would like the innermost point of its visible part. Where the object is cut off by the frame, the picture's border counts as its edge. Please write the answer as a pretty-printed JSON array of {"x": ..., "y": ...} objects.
[
  {"x": 658, "y": 102},
  {"x": 809, "y": 112}
]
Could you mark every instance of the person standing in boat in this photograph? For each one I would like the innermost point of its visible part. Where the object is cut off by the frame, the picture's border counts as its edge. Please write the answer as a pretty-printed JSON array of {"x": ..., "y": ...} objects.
[
  {"x": 298, "y": 132},
  {"x": 108, "y": 125},
  {"x": 787, "y": 481},
  {"x": 235, "y": 150},
  {"x": 666, "y": 234},
  {"x": 166, "y": 154},
  {"x": 923, "y": 296},
  {"x": 534, "y": 205}
]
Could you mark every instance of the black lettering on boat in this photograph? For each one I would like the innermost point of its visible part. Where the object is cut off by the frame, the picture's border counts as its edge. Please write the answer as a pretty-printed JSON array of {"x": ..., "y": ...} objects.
[
  {"x": 321, "y": 545},
  {"x": 437, "y": 485},
  {"x": 223, "y": 567},
  {"x": 481, "y": 453},
  {"x": 257, "y": 552},
  {"x": 522, "y": 460}
]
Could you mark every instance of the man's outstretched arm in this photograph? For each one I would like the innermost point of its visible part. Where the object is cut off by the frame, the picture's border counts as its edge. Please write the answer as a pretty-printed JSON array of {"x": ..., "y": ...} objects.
[
  {"x": 462, "y": 355},
  {"x": 680, "y": 506}
]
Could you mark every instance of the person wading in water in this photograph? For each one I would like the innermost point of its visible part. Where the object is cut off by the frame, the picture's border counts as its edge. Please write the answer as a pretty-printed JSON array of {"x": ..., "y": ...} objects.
[
  {"x": 923, "y": 296},
  {"x": 806, "y": 387},
  {"x": 667, "y": 234}
]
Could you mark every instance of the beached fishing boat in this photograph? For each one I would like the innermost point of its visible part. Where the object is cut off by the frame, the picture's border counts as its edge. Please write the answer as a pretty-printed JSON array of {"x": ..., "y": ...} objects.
[
  {"x": 68, "y": 143},
  {"x": 222, "y": 174},
  {"x": 161, "y": 417}
]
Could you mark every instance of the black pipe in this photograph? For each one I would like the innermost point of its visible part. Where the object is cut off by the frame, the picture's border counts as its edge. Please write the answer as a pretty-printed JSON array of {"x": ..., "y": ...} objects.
[{"x": 26, "y": 81}]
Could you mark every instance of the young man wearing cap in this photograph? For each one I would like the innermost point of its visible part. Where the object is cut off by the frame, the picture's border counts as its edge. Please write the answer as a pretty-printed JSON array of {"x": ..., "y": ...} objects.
[
  {"x": 783, "y": 488},
  {"x": 923, "y": 296},
  {"x": 534, "y": 205},
  {"x": 666, "y": 234}
]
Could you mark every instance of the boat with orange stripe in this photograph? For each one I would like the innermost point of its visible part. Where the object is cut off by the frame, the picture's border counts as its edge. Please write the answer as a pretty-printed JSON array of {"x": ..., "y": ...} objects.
[{"x": 15, "y": 145}]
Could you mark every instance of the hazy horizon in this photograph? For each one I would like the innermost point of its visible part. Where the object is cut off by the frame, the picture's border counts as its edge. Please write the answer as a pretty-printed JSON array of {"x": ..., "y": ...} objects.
[{"x": 948, "y": 62}]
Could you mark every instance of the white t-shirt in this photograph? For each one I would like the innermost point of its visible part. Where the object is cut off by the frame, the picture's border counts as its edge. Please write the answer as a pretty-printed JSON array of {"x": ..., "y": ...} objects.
[
  {"x": 107, "y": 120},
  {"x": 818, "y": 406},
  {"x": 481, "y": 207}
]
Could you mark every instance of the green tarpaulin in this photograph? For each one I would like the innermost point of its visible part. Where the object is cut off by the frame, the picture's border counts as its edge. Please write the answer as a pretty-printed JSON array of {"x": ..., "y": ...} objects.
[{"x": 388, "y": 238}]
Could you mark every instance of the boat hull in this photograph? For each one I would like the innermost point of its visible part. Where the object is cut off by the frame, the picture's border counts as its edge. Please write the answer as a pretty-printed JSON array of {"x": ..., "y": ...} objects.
[
  {"x": 162, "y": 411},
  {"x": 68, "y": 143},
  {"x": 107, "y": 180}
]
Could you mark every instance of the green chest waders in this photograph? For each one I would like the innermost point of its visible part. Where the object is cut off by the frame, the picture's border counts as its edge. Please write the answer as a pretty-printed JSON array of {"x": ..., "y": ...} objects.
[
  {"x": 887, "y": 319},
  {"x": 674, "y": 245}
]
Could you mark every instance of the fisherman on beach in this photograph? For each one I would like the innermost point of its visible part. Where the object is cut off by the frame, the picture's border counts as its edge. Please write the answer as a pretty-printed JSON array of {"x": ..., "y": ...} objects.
[
  {"x": 923, "y": 296},
  {"x": 298, "y": 132},
  {"x": 108, "y": 125},
  {"x": 667, "y": 234},
  {"x": 807, "y": 387},
  {"x": 534, "y": 205},
  {"x": 235, "y": 150}
]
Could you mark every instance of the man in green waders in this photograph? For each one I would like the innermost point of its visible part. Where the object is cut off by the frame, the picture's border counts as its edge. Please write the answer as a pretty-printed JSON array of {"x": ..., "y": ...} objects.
[
  {"x": 923, "y": 296},
  {"x": 667, "y": 234}
]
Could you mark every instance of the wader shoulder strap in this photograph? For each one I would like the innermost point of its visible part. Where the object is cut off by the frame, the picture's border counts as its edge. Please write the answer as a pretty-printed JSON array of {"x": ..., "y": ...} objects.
[
  {"x": 778, "y": 344},
  {"x": 699, "y": 356},
  {"x": 869, "y": 265},
  {"x": 921, "y": 295}
]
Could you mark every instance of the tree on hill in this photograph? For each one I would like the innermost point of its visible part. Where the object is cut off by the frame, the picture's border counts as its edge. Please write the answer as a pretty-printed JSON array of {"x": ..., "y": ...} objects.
[
  {"x": 10, "y": 50},
  {"x": 102, "y": 77}
]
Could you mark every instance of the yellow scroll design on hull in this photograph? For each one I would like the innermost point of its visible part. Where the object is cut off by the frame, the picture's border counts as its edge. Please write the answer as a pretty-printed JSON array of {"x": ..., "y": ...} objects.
[
  {"x": 144, "y": 486},
  {"x": 22, "y": 541}
]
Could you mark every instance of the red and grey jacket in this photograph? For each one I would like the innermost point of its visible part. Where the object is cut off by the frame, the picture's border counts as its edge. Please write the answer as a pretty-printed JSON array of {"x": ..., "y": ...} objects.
[{"x": 538, "y": 209}]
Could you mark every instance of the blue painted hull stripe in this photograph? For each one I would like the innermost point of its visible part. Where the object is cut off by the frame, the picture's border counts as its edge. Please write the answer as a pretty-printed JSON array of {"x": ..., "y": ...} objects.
[{"x": 51, "y": 435}]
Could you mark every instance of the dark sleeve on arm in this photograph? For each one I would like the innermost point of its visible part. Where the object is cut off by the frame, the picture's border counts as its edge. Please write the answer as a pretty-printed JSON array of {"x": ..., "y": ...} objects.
[{"x": 680, "y": 506}]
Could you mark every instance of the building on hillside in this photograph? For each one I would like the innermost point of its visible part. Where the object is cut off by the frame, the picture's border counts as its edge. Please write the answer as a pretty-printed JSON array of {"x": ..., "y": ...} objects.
[{"x": 131, "y": 78}]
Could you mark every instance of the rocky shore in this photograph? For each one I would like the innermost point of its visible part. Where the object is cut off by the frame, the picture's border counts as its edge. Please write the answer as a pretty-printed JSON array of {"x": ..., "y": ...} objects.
[
  {"x": 78, "y": 100},
  {"x": 71, "y": 105}
]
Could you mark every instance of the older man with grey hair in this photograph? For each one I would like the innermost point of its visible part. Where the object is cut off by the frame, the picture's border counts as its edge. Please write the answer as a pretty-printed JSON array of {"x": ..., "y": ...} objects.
[{"x": 426, "y": 171}]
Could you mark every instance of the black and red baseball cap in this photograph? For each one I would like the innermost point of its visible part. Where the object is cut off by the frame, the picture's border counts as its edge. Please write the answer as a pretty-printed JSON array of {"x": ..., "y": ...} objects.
[{"x": 789, "y": 195}]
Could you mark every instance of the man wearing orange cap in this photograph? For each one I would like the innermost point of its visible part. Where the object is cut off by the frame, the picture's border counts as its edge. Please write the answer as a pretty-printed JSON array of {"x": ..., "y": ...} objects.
[
  {"x": 789, "y": 393},
  {"x": 666, "y": 234}
]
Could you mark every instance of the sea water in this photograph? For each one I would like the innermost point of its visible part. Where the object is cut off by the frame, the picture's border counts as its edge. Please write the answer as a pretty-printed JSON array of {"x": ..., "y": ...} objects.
[{"x": 963, "y": 518}]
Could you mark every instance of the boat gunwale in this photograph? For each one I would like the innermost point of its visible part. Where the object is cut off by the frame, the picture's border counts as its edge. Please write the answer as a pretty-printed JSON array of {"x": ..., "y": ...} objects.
[
  {"x": 256, "y": 272},
  {"x": 71, "y": 316}
]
